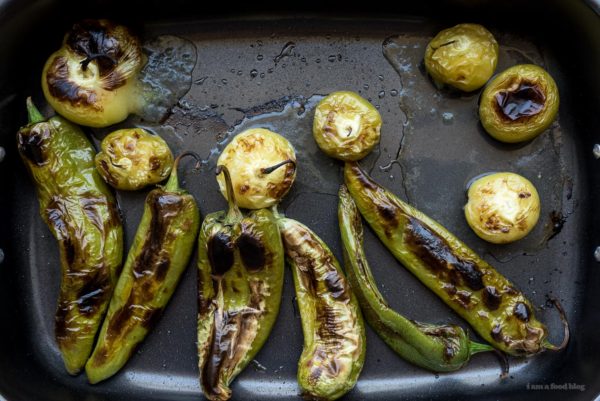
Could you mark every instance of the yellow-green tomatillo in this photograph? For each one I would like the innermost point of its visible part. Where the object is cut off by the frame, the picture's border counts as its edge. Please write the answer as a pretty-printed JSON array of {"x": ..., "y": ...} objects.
[
  {"x": 90, "y": 80},
  {"x": 519, "y": 104},
  {"x": 502, "y": 207},
  {"x": 346, "y": 126},
  {"x": 262, "y": 165},
  {"x": 133, "y": 158},
  {"x": 464, "y": 56}
]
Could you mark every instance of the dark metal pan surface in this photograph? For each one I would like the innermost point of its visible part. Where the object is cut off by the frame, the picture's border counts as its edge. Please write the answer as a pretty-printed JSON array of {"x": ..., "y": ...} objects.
[{"x": 260, "y": 70}]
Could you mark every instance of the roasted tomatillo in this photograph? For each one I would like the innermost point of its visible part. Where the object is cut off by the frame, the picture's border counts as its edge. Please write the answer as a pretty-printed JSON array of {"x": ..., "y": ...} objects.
[
  {"x": 346, "y": 126},
  {"x": 519, "y": 104},
  {"x": 158, "y": 256},
  {"x": 332, "y": 324},
  {"x": 90, "y": 80},
  {"x": 479, "y": 294},
  {"x": 133, "y": 158},
  {"x": 439, "y": 348},
  {"x": 82, "y": 215},
  {"x": 240, "y": 279},
  {"x": 262, "y": 165},
  {"x": 502, "y": 207},
  {"x": 464, "y": 56}
]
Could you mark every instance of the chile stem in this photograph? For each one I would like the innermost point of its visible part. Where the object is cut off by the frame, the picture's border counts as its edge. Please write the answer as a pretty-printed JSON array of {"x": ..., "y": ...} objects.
[
  {"x": 567, "y": 333},
  {"x": 173, "y": 183},
  {"x": 33, "y": 113},
  {"x": 234, "y": 212},
  {"x": 269, "y": 170}
]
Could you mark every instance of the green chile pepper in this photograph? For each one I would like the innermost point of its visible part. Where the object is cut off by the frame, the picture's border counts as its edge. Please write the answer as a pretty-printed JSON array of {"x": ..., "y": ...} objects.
[
  {"x": 332, "y": 324},
  {"x": 82, "y": 214},
  {"x": 240, "y": 280},
  {"x": 439, "y": 348},
  {"x": 158, "y": 256},
  {"x": 488, "y": 301}
]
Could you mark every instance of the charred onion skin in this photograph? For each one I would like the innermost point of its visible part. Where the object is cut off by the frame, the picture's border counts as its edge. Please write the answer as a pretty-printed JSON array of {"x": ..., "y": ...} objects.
[
  {"x": 240, "y": 280},
  {"x": 346, "y": 126},
  {"x": 131, "y": 159},
  {"x": 519, "y": 104},
  {"x": 464, "y": 56},
  {"x": 438, "y": 348},
  {"x": 160, "y": 252},
  {"x": 81, "y": 212},
  {"x": 332, "y": 324},
  {"x": 491, "y": 304},
  {"x": 90, "y": 79},
  {"x": 502, "y": 207},
  {"x": 248, "y": 158}
]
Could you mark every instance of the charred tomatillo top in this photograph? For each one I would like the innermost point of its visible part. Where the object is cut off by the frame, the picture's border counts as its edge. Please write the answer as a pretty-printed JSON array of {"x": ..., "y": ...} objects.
[
  {"x": 464, "y": 56},
  {"x": 502, "y": 207},
  {"x": 346, "y": 126},
  {"x": 262, "y": 165},
  {"x": 133, "y": 158},
  {"x": 90, "y": 79},
  {"x": 519, "y": 104}
]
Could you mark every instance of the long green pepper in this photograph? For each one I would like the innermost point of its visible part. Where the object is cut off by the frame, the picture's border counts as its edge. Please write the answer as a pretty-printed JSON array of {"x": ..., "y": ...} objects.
[
  {"x": 82, "y": 215},
  {"x": 479, "y": 294},
  {"x": 158, "y": 257},
  {"x": 439, "y": 348},
  {"x": 240, "y": 280}
]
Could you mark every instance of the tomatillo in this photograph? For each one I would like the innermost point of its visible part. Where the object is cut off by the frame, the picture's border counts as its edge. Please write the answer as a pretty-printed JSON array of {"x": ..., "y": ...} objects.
[
  {"x": 502, "y": 207},
  {"x": 519, "y": 104}
]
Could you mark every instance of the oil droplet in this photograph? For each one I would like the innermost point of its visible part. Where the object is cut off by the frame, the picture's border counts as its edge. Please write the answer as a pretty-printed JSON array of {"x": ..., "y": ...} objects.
[
  {"x": 596, "y": 254},
  {"x": 224, "y": 81},
  {"x": 1, "y": 256},
  {"x": 447, "y": 118},
  {"x": 380, "y": 77},
  {"x": 288, "y": 50},
  {"x": 394, "y": 92},
  {"x": 381, "y": 94},
  {"x": 597, "y": 151},
  {"x": 318, "y": 60},
  {"x": 240, "y": 72},
  {"x": 259, "y": 366},
  {"x": 260, "y": 57},
  {"x": 253, "y": 74},
  {"x": 366, "y": 86},
  {"x": 200, "y": 81},
  {"x": 2, "y": 154},
  {"x": 303, "y": 59},
  {"x": 262, "y": 74},
  {"x": 331, "y": 58}
]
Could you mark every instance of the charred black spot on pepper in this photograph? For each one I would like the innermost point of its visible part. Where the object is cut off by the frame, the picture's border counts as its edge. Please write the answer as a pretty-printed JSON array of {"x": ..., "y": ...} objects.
[
  {"x": 362, "y": 178},
  {"x": 526, "y": 100},
  {"x": 151, "y": 317},
  {"x": 521, "y": 311},
  {"x": 60, "y": 321},
  {"x": 220, "y": 253},
  {"x": 93, "y": 207},
  {"x": 95, "y": 39},
  {"x": 336, "y": 285},
  {"x": 491, "y": 297},
  {"x": 252, "y": 251},
  {"x": 119, "y": 320},
  {"x": 387, "y": 212},
  {"x": 69, "y": 250},
  {"x": 449, "y": 351},
  {"x": 435, "y": 252},
  {"x": 107, "y": 173},
  {"x": 61, "y": 87},
  {"x": 94, "y": 291},
  {"x": 33, "y": 143},
  {"x": 496, "y": 333}
]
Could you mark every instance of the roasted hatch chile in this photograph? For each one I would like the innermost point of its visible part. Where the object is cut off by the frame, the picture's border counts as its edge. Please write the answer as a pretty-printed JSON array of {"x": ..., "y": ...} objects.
[
  {"x": 346, "y": 126},
  {"x": 240, "y": 279},
  {"x": 332, "y": 324},
  {"x": 439, "y": 348},
  {"x": 483, "y": 297},
  {"x": 133, "y": 158},
  {"x": 82, "y": 214},
  {"x": 158, "y": 256},
  {"x": 464, "y": 56},
  {"x": 253, "y": 159},
  {"x": 502, "y": 207},
  {"x": 91, "y": 79},
  {"x": 519, "y": 104}
]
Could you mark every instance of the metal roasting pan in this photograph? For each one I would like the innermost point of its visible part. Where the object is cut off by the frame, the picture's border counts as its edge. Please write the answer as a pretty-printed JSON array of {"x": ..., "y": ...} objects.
[{"x": 267, "y": 67}]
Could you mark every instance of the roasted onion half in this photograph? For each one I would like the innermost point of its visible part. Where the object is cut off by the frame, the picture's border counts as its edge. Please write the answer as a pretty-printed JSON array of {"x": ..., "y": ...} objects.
[
  {"x": 262, "y": 165},
  {"x": 502, "y": 207},
  {"x": 519, "y": 104},
  {"x": 90, "y": 80}
]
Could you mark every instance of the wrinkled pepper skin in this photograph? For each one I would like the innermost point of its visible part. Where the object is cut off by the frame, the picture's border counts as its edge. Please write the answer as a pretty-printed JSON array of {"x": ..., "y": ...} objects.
[
  {"x": 240, "y": 280},
  {"x": 439, "y": 348},
  {"x": 488, "y": 301},
  {"x": 158, "y": 257},
  {"x": 82, "y": 215},
  {"x": 332, "y": 324}
]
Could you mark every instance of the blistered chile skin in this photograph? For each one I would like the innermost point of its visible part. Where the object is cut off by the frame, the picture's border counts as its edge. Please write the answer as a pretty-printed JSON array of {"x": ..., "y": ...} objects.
[
  {"x": 502, "y": 207},
  {"x": 488, "y": 301},
  {"x": 157, "y": 258},
  {"x": 346, "y": 126},
  {"x": 246, "y": 157},
  {"x": 439, "y": 348},
  {"x": 464, "y": 56},
  {"x": 132, "y": 159},
  {"x": 519, "y": 104},
  {"x": 332, "y": 324},
  {"x": 82, "y": 215},
  {"x": 90, "y": 80}
]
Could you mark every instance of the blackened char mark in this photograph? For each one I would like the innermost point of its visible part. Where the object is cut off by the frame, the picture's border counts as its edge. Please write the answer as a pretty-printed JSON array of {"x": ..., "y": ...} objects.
[
  {"x": 33, "y": 143},
  {"x": 60, "y": 321},
  {"x": 95, "y": 291},
  {"x": 63, "y": 88},
  {"x": 220, "y": 249},
  {"x": 521, "y": 311},
  {"x": 435, "y": 252},
  {"x": 252, "y": 251},
  {"x": 492, "y": 297},
  {"x": 526, "y": 100},
  {"x": 362, "y": 177}
]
